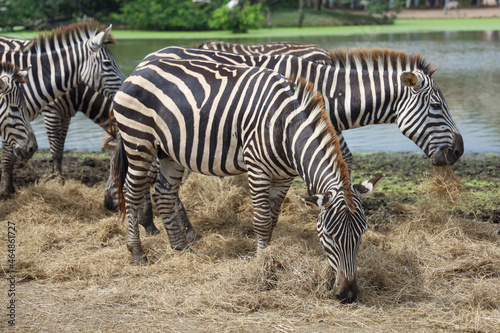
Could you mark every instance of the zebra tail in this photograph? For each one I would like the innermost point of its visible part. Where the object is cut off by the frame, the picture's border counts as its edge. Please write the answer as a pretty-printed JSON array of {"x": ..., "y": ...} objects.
[{"x": 120, "y": 168}]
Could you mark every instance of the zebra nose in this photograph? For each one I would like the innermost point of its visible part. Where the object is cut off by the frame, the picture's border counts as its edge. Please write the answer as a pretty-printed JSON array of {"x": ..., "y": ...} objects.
[
  {"x": 347, "y": 289},
  {"x": 456, "y": 150}
]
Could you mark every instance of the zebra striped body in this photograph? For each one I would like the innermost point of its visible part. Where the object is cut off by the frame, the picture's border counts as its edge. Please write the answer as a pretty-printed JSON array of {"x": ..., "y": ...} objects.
[
  {"x": 18, "y": 139},
  {"x": 309, "y": 52},
  {"x": 64, "y": 59},
  {"x": 364, "y": 87},
  {"x": 225, "y": 120},
  {"x": 58, "y": 113}
]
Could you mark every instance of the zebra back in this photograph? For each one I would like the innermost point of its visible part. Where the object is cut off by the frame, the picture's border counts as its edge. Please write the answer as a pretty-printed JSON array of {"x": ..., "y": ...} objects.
[{"x": 309, "y": 52}]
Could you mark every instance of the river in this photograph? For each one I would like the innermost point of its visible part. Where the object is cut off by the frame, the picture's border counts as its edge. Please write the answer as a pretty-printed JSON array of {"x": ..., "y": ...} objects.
[{"x": 468, "y": 76}]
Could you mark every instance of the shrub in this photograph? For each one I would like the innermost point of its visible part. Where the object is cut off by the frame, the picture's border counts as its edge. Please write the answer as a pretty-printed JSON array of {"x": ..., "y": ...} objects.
[{"x": 238, "y": 19}]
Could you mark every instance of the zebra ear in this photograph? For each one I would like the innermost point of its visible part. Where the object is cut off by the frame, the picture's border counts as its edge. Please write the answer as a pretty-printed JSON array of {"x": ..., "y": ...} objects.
[
  {"x": 98, "y": 40},
  {"x": 24, "y": 72},
  {"x": 317, "y": 200},
  {"x": 366, "y": 188},
  {"x": 3, "y": 85},
  {"x": 411, "y": 80}
]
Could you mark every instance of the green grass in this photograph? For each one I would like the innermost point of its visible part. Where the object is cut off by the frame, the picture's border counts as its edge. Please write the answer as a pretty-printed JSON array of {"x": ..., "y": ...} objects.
[
  {"x": 399, "y": 26},
  {"x": 288, "y": 18}
]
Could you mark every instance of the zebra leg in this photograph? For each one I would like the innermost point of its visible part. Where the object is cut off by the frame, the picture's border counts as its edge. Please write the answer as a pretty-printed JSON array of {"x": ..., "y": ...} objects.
[
  {"x": 260, "y": 184},
  {"x": 277, "y": 194},
  {"x": 145, "y": 215},
  {"x": 184, "y": 222},
  {"x": 134, "y": 195},
  {"x": 53, "y": 125},
  {"x": 8, "y": 161},
  {"x": 166, "y": 195}
]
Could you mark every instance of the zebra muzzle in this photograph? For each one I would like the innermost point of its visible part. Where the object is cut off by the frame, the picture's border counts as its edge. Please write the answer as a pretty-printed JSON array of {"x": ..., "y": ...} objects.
[
  {"x": 451, "y": 154},
  {"x": 346, "y": 289}
]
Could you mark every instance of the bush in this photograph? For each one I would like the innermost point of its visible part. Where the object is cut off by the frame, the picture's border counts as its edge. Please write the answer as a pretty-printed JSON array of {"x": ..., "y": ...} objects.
[
  {"x": 238, "y": 19},
  {"x": 167, "y": 14}
]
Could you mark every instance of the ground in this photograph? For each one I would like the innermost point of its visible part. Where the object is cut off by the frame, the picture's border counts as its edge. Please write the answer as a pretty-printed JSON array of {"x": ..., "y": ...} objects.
[
  {"x": 429, "y": 261},
  {"x": 405, "y": 171}
]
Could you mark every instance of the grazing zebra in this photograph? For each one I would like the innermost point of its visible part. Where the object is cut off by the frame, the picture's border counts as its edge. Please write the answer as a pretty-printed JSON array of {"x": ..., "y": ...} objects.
[
  {"x": 225, "y": 120},
  {"x": 309, "y": 52},
  {"x": 396, "y": 87},
  {"x": 63, "y": 59},
  {"x": 58, "y": 113},
  {"x": 18, "y": 138}
]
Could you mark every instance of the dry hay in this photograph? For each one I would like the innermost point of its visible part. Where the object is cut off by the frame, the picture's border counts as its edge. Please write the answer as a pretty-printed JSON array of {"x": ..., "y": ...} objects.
[{"x": 426, "y": 270}]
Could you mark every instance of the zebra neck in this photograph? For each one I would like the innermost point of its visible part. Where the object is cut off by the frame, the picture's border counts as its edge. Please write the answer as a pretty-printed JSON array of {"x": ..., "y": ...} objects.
[
  {"x": 316, "y": 157},
  {"x": 358, "y": 98},
  {"x": 52, "y": 74}
]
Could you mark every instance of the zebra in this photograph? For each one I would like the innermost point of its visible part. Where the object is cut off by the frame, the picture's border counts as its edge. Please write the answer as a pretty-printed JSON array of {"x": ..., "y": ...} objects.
[
  {"x": 371, "y": 67},
  {"x": 397, "y": 87},
  {"x": 224, "y": 120},
  {"x": 58, "y": 113},
  {"x": 61, "y": 60},
  {"x": 18, "y": 138},
  {"x": 309, "y": 52}
]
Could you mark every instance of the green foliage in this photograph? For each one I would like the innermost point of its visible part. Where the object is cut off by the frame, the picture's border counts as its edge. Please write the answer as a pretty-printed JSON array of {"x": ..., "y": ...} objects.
[
  {"x": 45, "y": 14},
  {"x": 166, "y": 14},
  {"x": 384, "y": 6},
  {"x": 238, "y": 19},
  {"x": 30, "y": 13}
]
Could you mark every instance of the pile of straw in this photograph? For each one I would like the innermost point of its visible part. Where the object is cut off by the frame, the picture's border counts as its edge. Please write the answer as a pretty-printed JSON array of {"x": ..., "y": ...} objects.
[{"x": 422, "y": 269}]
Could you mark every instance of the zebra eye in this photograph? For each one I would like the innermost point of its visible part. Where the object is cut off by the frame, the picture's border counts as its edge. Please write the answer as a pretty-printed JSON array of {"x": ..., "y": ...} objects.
[{"x": 436, "y": 106}]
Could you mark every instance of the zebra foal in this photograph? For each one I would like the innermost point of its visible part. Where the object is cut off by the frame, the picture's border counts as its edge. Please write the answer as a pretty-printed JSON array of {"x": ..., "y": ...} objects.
[
  {"x": 18, "y": 138},
  {"x": 61, "y": 60},
  {"x": 226, "y": 120}
]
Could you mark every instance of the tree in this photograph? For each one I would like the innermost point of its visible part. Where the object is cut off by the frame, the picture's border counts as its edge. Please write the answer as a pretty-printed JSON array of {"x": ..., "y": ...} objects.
[
  {"x": 167, "y": 14},
  {"x": 237, "y": 19}
]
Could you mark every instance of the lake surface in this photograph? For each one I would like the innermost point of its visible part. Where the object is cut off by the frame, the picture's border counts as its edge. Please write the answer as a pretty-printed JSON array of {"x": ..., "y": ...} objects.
[{"x": 468, "y": 76}]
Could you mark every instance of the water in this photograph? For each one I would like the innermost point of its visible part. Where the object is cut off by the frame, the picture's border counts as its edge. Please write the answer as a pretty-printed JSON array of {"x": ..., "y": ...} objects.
[{"x": 468, "y": 76}]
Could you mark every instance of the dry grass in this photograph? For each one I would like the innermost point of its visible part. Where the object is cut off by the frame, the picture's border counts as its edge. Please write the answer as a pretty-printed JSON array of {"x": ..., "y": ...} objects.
[{"x": 423, "y": 269}]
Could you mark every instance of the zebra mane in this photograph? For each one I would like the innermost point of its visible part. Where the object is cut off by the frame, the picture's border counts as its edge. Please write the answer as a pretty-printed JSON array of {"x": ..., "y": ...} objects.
[
  {"x": 9, "y": 69},
  {"x": 79, "y": 31},
  {"x": 314, "y": 106},
  {"x": 372, "y": 58}
]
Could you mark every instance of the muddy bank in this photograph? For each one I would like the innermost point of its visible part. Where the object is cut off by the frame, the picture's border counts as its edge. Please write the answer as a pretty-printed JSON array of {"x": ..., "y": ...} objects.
[{"x": 405, "y": 172}]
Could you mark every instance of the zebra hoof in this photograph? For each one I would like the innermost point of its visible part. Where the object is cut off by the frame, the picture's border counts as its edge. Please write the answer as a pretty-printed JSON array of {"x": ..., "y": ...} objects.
[
  {"x": 138, "y": 255},
  {"x": 192, "y": 236},
  {"x": 151, "y": 230},
  {"x": 7, "y": 193},
  {"x": 139, "y": 259},
  {"x": 181, "y": 247}
]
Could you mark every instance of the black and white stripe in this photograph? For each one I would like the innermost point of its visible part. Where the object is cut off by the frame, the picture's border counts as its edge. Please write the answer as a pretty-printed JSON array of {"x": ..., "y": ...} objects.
[
  {"x": 18, "y": 138},
  {"x": 62, "y": 60},
  {"x": 365, "y": 87},
  {"x": 225, "y": 120},
  {"x": 309, "y": 52}
]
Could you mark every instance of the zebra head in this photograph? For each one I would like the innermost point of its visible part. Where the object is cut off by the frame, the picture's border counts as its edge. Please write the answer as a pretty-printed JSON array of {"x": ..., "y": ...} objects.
[
  {"x": 424, "y": 117},
  {"x": 15, "y": 127},
  {"x": 101, "y": 70},
  {"x": 341, "y": 224}
]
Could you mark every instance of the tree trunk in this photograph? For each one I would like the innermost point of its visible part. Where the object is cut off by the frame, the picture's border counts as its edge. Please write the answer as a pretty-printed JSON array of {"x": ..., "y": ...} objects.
[{"x": 301, "y": 12}]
